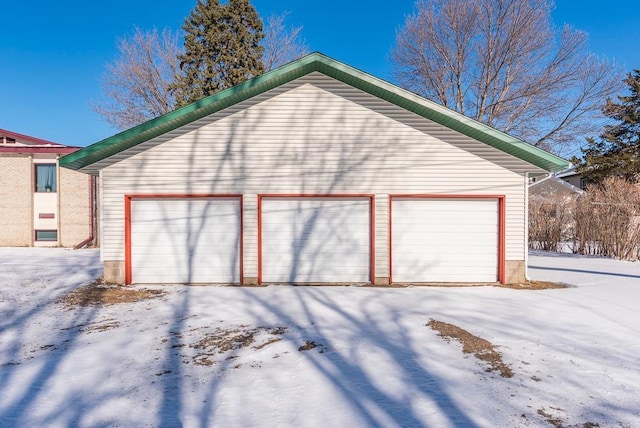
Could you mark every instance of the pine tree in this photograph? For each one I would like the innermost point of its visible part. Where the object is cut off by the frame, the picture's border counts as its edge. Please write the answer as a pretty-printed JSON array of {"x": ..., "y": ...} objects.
[
  {"x": 617, "y": 151},
  {"x": 221, "y": 49}
]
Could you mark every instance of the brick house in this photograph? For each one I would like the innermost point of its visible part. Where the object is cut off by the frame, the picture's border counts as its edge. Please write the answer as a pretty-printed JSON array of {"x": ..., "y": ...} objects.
[{"x": 40, "y": 203}]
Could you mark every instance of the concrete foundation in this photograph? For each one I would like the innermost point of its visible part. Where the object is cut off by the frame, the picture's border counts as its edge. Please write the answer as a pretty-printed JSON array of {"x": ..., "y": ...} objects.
[
  {"x": 515, "y": 271},
  {"x": 114, "y": 272}
]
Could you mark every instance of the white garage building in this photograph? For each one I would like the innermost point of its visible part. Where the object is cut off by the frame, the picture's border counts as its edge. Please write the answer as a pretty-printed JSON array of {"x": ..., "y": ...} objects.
[{"x": 313, "y": 173}]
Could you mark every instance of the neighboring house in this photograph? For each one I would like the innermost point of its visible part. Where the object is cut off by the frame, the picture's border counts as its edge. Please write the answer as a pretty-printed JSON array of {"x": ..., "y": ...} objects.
[
  {"x": 313, "y": 173},
  {"x": 41, "y": 204},
  {"x": 552, "y": 187},
  {"x": 574, "y": 178}
]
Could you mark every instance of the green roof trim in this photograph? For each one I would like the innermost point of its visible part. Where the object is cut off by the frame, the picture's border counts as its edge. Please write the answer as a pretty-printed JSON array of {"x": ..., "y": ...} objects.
[{"x": 294, "y": 70}]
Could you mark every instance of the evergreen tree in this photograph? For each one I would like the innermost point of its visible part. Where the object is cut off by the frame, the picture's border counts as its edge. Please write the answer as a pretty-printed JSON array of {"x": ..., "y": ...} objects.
[
  {"x": 221, "y": 49},
  {"x": 617, "y": 151}
]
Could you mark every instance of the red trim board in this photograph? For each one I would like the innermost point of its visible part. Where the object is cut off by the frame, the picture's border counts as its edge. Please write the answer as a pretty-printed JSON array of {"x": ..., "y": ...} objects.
[
  {"x": 501, "y": 225},
  {"x": 372, "y": 247},
  {"x": 127, "y": 224}
]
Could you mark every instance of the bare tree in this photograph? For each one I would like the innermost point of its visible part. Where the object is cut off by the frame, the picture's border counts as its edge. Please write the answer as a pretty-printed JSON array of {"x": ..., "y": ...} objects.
[
  {"x": 503, "y": 63},
  {"x": 136, "y": 84},
  {"x": 282, "y": 44}
]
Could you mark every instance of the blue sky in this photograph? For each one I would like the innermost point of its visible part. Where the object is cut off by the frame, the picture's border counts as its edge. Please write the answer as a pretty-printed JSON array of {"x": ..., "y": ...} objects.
[{"x": 53, "y": 54}]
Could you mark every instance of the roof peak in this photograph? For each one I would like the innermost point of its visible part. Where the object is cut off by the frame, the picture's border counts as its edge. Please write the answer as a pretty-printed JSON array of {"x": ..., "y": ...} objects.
[
  {"x": 26, "y": 140},
  {"x": 330, "y": 67}
]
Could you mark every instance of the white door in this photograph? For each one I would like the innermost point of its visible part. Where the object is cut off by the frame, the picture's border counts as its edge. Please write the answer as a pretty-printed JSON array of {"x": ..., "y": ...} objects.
[
  {"x": 444, "y": 240},
  {"x": 185, "y": 240},
  {"x": 314, "y": 240}
]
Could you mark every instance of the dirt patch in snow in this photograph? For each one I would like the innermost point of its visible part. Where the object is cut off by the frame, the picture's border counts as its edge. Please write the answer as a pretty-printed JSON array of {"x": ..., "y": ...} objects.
[
  {"x": 92, "y": 327},
  {"x": 97, "y": 293},
  {"x": 533, "y": 285},
  {"x": 526, "y": 285},
  {"x": 482, "y": 349},
  {"x": 310, "y": 344},
  {"x": 221, "y": 343},
  {"x": 103, "y": 326},
  {"x": 554, "y": 416}
]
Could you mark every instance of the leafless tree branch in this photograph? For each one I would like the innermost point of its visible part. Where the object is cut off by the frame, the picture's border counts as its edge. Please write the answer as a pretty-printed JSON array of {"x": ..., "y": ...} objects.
[
  {"x": 282, "y": 44},
  {"x": 136, "y": 84},
  {"x": 504, "y": 63}
]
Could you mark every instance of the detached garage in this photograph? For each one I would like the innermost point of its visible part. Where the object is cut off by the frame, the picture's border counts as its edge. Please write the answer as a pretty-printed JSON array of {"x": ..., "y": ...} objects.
[{"x": 313, "y": 173}]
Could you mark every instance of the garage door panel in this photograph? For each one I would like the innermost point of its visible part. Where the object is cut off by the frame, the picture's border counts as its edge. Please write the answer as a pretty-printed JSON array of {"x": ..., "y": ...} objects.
[
  {"x": 180, "y": 240},
  {"x": 338, "y": 247},
  {"x": 202, "y": 251},
  {"x": 443, "y": 228},
  {"x": 187, "y": 238},
  {"x": 351, "y": 257},
  {"x": 169, "y": 276},
  {"x": 445, "y": 240},
  {"x": 187, "y": 215},
  {"x": 327, "y": 271},
  {"x": 462, "y": 258},
  {"x": 452, "y": 237},
  {"x": 318, "y": 274},
  {"x": 152, "y": 260},
  {"x": 448, "y": 269},
  {"x": 307, "y": 235},
  {"x": 315, "y": 240}
]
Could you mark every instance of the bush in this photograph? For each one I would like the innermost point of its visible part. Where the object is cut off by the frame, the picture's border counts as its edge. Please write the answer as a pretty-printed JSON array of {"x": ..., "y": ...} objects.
[
  {"x": 608, "y": 220},
  {"x": 603, "y": 221},
  {"x": 550, "y": 222}
]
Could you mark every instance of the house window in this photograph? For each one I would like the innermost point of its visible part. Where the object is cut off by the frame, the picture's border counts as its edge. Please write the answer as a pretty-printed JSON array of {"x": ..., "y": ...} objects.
[
  {"x": 46, "y": 177},
  {"x": 583, "y": 183},
  {"x": 46, "y": 235}
]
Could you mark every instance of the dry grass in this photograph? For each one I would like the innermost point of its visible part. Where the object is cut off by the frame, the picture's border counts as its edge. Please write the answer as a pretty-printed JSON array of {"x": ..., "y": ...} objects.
[
  {"x": 210, "y": 345},
  {"x": 97, "y": 294},
  {"x": 527, "y": 285},
  {"x": 558, "y": 422},
  {"x": 532, "y": 285},
  {"x": 482, "y": 349}
]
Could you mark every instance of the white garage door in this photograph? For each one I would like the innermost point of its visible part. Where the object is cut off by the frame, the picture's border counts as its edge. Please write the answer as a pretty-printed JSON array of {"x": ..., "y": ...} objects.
[
  {"x": 190, "y": 240},
  {"x": 444, "y": 240},
  {"x": 314, "y": 240}
]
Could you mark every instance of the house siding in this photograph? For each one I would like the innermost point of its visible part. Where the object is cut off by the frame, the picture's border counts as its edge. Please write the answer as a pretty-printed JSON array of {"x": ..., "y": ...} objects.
[
  {"x": 314, "y": 135},
  {"x": 16, "y": 200}
]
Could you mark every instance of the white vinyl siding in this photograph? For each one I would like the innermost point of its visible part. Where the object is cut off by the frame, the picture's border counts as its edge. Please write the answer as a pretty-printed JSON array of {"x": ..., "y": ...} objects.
[
  {"x": 185, "y": 240},
  {"x": 316, "y": 240},
  {"x": 444, "y": 240},
  {"x": 314, "y": 135}
]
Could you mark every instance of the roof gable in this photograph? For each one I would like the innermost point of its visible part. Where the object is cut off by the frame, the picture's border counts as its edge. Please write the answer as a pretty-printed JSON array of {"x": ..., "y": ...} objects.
[
  {"x": 296, "y": 69},
  {"x": 13, "y": 142}
]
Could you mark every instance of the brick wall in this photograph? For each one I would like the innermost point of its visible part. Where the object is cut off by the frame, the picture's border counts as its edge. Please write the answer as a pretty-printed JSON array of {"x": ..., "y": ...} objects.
[
  {"x": 75, "y": 207},
  {"x": 16, "y": 212}
]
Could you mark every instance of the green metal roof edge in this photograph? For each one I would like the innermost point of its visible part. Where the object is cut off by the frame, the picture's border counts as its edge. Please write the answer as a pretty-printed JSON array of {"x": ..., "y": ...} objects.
[
  {"x": 332, "y": 68},
  {"x": 187, "y": 114},
  {"x": 445, "y": 116}
]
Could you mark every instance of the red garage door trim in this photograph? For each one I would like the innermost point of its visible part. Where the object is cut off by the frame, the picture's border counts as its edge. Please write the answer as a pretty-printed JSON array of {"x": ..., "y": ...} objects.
[
  {"x": 372, "y": 216},
  {"x": 501, "y": 225},
  {"x": 127, "y": 224}
]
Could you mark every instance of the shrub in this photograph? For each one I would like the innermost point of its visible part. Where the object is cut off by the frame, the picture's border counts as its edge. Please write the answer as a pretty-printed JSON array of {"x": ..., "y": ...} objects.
[
  {"x": 608, "y": 220},
  {"x": 550, "y": 222}
]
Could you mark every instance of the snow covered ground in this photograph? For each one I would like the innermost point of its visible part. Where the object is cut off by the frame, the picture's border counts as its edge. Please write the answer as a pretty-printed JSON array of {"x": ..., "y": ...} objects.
[{"x": 225, "y": 356}]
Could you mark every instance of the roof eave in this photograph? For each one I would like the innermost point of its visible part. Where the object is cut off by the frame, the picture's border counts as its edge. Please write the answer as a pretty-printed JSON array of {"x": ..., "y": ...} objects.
[{"x": 332, "y": 68}]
